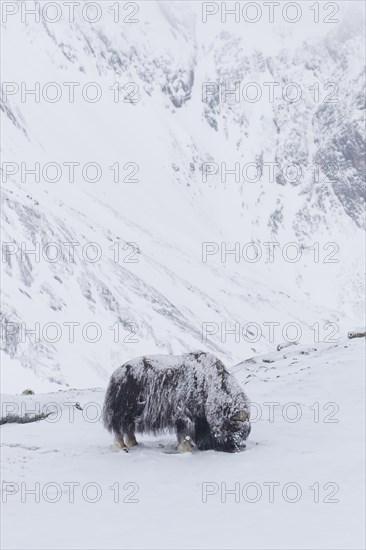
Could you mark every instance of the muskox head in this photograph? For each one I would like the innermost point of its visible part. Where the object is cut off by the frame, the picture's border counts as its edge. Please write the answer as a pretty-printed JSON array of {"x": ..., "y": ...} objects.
[{"x": 231, "y": 430}]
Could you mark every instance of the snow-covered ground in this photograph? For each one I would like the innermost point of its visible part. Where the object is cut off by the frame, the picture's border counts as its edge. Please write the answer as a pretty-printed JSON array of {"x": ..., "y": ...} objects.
[{"x": 299, "y": 484}]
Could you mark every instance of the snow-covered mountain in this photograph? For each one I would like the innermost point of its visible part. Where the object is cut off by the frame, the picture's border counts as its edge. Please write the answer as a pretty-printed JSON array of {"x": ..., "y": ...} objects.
[{"x": 161, "y": 135}]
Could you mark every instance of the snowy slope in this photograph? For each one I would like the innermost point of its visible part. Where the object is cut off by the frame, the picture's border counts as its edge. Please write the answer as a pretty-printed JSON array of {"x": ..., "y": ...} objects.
[
  {"x": 159, "y": 302},
  {"x": 160, "y": 501}
]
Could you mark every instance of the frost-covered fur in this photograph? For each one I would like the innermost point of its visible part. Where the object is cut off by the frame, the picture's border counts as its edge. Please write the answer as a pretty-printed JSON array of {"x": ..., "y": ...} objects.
[{"x": 192, "y": 394}]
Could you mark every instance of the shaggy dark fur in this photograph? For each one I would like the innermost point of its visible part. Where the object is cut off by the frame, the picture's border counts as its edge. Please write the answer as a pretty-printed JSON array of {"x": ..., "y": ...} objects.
[{"x": 192, "y": 394}]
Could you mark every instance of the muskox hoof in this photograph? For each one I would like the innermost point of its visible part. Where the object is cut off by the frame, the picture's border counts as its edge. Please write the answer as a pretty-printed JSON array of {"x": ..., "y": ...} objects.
[
  {"x": 131, "y": 441},
  {"x": 119, "y": 444},
  {"x": 185, "y": 446}
]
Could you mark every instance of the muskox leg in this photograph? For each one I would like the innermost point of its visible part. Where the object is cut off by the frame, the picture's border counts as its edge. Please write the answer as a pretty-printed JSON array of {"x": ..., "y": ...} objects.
[
  {"x": 129, "y": 434},
  {"x": 118, "y": 442},
  {"x": 203, "y": 436},
  {"x": 184, "y": 436}
]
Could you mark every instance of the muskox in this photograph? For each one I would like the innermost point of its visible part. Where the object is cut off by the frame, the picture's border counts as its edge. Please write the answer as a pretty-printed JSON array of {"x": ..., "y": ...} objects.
[{"x": 192, "y": 394}]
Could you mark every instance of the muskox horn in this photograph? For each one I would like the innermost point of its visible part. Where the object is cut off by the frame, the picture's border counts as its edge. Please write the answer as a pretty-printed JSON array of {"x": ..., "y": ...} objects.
[{"x": 240, "y": 416}]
